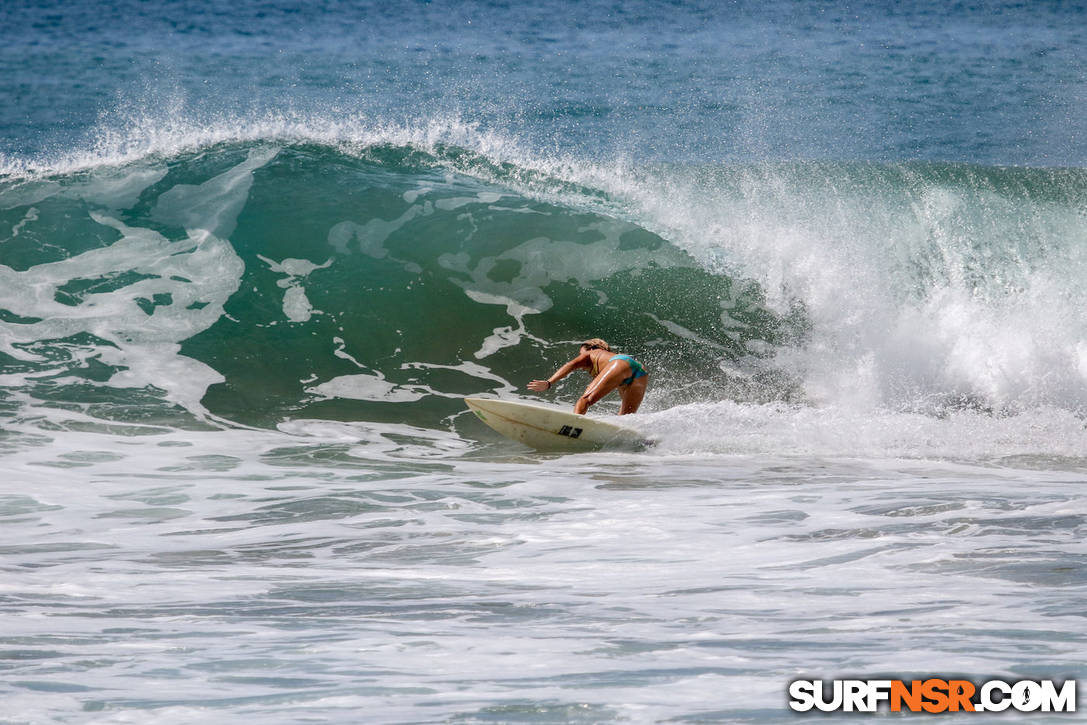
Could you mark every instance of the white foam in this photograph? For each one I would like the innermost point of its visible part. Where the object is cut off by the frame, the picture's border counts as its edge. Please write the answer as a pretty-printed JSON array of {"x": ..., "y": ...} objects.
[
  {"x": 370, "y": 237},
  {"x": 296, "y": 306},
  {"x": 215, "y": 204},
  {"x": 30, "y": 216},
  {"x": 469, "y": 368},
  {"x": 379, "y": 440},
  {"x": 453, "y": 203},
  {"x": 118, "y": 188},
  {"x": 848, "y": 430},
  {"x": 361, "y": 386},
  {"x": 189, "y": 282}
]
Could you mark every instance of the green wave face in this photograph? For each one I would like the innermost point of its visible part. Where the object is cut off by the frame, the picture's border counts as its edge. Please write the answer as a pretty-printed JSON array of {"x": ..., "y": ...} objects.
[
  {"x": 262, "y": 280},
  {"x": 256, "y": 282}
]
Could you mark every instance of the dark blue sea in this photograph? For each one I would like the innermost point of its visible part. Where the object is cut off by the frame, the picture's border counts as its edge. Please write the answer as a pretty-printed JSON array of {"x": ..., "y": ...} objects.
[{"x": 254, "y": 254}]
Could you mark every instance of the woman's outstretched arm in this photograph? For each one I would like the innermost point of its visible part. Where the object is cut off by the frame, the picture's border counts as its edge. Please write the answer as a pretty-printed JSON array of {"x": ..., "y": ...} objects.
[{"x": 581, "y": 361}]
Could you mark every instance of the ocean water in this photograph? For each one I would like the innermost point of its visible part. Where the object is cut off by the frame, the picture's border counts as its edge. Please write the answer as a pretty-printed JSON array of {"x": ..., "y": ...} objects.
[{"x": 254, "y": 254}]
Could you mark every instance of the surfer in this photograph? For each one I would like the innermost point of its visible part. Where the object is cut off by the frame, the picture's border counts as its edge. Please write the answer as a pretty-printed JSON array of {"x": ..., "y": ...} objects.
[{"x": 610, "y": 371}]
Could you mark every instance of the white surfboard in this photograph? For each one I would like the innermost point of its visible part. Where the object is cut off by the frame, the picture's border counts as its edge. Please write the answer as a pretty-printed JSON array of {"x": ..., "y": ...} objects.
[{"x": 551, "y": 429}]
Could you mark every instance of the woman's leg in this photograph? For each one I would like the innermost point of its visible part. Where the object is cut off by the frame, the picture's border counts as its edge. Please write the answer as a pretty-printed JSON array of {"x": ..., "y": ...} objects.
[
  {"x": 610, "y": 378},
  {"x": 632, "y": 395}
]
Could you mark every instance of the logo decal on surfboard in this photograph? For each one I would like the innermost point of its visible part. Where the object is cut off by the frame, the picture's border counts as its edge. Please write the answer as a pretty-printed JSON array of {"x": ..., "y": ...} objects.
[{"x": 570, "y": 431}]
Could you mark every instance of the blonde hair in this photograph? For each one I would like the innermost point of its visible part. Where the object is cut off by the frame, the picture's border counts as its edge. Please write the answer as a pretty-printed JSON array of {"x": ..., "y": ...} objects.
[{"x": 596, "y": 344}]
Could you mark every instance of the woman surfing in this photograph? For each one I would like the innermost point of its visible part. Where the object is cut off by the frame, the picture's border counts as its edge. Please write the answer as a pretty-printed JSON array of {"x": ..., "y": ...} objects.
[{"x": 609, "y": 371}]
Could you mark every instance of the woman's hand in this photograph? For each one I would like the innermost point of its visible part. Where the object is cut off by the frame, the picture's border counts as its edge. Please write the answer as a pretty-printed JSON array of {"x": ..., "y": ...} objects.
[{"x": 539, "y": 385}]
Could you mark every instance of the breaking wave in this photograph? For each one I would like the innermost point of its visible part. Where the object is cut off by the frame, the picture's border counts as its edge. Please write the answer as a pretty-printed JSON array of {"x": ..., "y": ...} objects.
[{"x": 287, "y": 271}]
